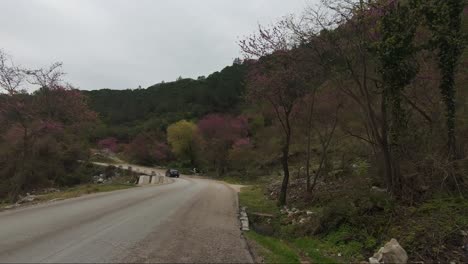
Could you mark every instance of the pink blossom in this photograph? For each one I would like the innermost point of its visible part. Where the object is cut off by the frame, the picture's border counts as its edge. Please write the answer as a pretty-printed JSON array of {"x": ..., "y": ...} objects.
[{"x": 109, "y": 143}]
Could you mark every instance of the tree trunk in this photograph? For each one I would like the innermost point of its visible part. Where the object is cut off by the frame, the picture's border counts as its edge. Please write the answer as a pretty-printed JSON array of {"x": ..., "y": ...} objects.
[
  {"x": 284, "y": 184},
  {"x": 391, "y": 165},
  {"x": 285, "y": 163},
  {"x": 308, "y": 164},
  {"x": 309, "y": 135},
  {"x": 19, "y": 178}
]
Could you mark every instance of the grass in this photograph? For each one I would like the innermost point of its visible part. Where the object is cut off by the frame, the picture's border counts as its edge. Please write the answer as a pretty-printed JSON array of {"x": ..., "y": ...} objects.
[
  {"x": 76, "y": 191},
  {"x": 313, "y": 249},
  {"x": 283, "y": 247},
  {"x": 104, "y": 159},
  {"x": 274, "y": 250},
  {"x": 236, "y": 180},
  {"x": 82, "y": 190},
  {"x": 254, "y": 199}
]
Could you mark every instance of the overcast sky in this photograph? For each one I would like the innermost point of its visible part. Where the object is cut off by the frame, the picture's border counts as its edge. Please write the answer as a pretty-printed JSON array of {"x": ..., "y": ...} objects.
[{"x": 122, "y": 44}]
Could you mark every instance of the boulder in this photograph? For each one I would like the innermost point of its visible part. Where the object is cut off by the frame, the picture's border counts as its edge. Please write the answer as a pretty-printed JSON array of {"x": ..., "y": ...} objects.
[
  {"x": 29, "y": 198},
  {"x": 392, "y": 252}
]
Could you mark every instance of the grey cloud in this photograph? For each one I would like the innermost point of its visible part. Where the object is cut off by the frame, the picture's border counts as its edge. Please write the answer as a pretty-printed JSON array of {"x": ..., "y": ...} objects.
[{"x": 125, "y": 43}]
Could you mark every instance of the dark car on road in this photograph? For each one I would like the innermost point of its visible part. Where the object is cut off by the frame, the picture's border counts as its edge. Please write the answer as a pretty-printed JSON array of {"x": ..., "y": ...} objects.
[{"x": 172, "y": 173}]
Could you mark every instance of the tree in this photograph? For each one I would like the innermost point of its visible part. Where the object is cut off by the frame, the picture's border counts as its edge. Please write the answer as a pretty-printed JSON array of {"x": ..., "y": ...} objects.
[
  {"x": 396, "y": 56},
  {"x": 180, "y": 137},
  {"x": 322, "y": 118},
  {"x": 342, "y": 37},
  {"x": 242, "y": 156},
  {"x": 110, "y": 144},
  {"x": 237, "y": 61},
  {"x": 217, "y": 133},
  {"x": 11, "y": 76},
  {"x": 444, "y": 19},
  {"x": 280, "y": 78},
  {"x": 146, "y": 149},
  {"x": 43, "y": 129}
]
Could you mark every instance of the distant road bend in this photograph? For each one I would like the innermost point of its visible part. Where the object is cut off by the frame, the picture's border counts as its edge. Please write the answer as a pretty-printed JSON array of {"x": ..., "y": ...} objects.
[{"x": 190, "y": 220}]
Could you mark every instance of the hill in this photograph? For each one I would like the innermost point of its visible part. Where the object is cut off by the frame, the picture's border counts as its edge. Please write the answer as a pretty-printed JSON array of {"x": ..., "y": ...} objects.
[{"x": 164, "y": 103}]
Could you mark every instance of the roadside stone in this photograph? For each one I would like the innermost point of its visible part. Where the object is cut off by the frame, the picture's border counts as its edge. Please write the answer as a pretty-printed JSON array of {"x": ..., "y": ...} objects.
[
  {"x": 11, "y": 206},
  {"x": 27, "y": 199},
  {"x": 144, "y": 179},
  {"x": 244, "y": 219},
  {"x": 392, "y": 252}
]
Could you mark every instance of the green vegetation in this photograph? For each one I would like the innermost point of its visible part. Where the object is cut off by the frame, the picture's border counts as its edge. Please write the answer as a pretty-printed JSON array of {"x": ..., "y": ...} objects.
[
  {"x": 274, "y": 250},
  {"x": 314, "y": 250},
  {"x": 180, "y": 136},
  {"x": 74, "y": 192},
  {"x": 253, "y": 198},
  {"x": 341, "y": 232},
  {"x": 81, "y": 190},
  {"x": 125, "y": 113}
]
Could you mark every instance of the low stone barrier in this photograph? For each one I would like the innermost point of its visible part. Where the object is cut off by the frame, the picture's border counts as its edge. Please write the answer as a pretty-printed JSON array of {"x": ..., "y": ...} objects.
[
  {"x": 157, "y": 179},
  {"x": 144, "y": 179}
]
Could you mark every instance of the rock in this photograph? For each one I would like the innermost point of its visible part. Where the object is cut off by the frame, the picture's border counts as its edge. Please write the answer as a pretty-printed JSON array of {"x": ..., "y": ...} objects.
[
  {"x": 10, "y": 206},
  {"x": 392, "y": 252},
  {"x": 244, "y": 219},
  {"x": 245, "y": 225},
  {"x": 377, "y": 257},
  {"x": 27, "y": 199},
  {"x": 144, "y": 179},
  {"x": 339, "y": 255}
]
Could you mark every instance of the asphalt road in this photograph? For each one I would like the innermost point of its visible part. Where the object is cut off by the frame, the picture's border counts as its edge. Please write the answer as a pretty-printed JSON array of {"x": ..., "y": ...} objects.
[{"x": 190, "y": 220}]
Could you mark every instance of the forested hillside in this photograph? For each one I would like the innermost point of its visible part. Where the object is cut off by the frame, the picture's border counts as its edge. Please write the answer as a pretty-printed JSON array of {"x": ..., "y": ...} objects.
[{"x": 164, "y": 103}]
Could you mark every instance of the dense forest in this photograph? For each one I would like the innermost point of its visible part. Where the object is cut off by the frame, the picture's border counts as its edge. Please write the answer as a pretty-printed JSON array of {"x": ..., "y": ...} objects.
[
  {"x": 125, "y": 112},
  {"x": 355, "y": 110}
]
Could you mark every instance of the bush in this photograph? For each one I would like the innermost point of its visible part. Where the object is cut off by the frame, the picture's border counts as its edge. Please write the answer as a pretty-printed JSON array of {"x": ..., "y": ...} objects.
[{"x": 335, "y": 214}]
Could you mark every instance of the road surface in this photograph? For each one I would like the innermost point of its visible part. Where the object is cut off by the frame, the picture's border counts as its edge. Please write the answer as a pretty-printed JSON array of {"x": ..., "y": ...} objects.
[{"x": 190, "y": 220}]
